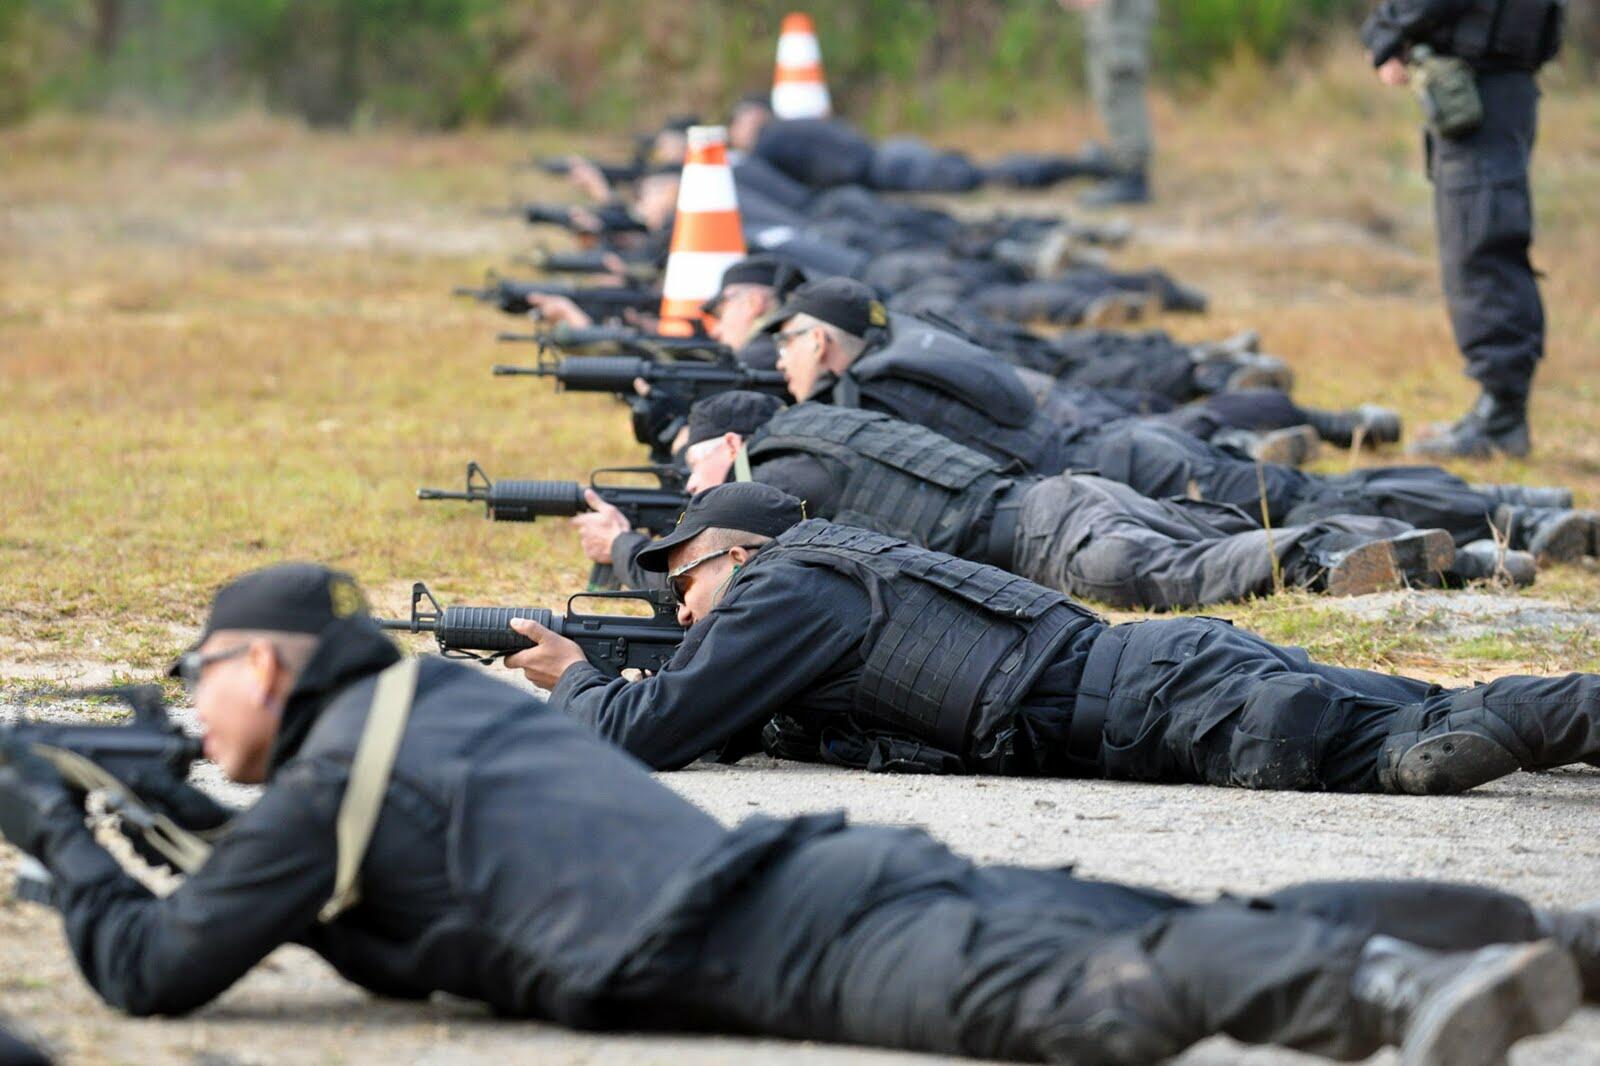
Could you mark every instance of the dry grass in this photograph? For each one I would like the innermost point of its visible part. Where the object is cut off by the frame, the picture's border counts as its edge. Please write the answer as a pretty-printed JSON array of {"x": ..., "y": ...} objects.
[{"x": 229, "y": 345}]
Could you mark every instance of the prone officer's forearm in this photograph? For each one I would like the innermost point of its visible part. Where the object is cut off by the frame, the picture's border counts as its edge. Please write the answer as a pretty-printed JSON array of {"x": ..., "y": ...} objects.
[{"x": 261, "y": 887}]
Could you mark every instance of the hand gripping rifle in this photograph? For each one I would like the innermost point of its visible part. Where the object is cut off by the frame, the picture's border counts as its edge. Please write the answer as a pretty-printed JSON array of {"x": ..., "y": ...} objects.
[
  {"x": 613, "y": 643},
  {"x": 654, "y": 509},
  {"x": 102, "y": 758}
]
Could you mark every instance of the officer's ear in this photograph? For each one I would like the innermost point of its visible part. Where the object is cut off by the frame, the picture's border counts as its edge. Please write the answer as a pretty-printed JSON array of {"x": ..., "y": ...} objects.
[{"x": 733, "y": 442}]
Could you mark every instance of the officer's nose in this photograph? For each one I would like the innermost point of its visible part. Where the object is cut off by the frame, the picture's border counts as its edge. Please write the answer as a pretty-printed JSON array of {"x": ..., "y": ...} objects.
[{"x": 685, "y": 616}]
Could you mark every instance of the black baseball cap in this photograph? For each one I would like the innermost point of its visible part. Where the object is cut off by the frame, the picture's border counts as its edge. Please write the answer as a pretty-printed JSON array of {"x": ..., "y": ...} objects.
[
  {"x": 842, "y": 302},
  {"x": 777, "y": 274},
  {"x": 288, "y": 598},
  {"x": 738, "y": 411},
  {"x": 747, "y": 506}
]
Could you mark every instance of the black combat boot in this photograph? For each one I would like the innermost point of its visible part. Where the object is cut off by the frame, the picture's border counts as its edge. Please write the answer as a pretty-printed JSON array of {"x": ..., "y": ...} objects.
[
  {"x": 1551, "y": 534},
  {"x": 1370, "y": 424},
  {"x": 1485, "y": 560},
  {"x": 1414, "y": 558},
  {"x": 1462, "y": 1008},
  {"x": 1219, "y": 370},
  {"x": 1118, "y": 191},
  {"x": 1448, "y": 758},
  {"x": 1578, "y": 931},
  {"x": 1496, "y": 425},
  {"x": 1290, "y": 446},
  {"x": 1527, "y": 495}
]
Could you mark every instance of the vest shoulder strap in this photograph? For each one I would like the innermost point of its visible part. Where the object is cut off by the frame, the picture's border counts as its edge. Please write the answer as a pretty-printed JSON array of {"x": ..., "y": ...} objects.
[{"x": 369, "y": 781}]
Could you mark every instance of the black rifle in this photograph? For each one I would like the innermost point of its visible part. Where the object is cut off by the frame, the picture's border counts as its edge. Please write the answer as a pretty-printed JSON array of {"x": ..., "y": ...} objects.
[
  {"x": 614, "y": 219},
  {"x": 613, "y": 643},
  {"x": 675, "y": 385},
  {"x": 616, "y": 374},
  {"x": 85, "y": 754},
  {"x": 626, "y": 338},
  {"x": 599, "y": 302},
  {"x": 654, "y": 509},
  {"x": 588, "y": 261},
  {"x": 615, "y": 173}
]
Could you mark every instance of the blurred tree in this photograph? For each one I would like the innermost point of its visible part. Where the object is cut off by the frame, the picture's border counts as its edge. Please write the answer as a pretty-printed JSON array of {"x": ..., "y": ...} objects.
[{"x": 606, "y": 63}]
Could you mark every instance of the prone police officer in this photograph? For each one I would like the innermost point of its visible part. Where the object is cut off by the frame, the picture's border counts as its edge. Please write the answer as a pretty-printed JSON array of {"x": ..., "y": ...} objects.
[
  {"x": 1479, "y": 63},
  {"x": 509, "y": 857},
  {"x": 840, "y": 644},
  {"x": 1082, "y": 535}
]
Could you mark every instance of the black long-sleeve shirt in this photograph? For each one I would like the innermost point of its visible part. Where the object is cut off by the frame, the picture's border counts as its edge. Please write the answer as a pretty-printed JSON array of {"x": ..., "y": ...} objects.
[
  {"x": 1396, "y": 23},
  {"x": 787, "y": 640},
  {"x": 447, "y": 904}
]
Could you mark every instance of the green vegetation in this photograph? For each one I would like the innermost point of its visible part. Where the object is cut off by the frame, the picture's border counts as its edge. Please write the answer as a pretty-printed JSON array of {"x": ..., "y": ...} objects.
[{"x": 604, "y": 64}]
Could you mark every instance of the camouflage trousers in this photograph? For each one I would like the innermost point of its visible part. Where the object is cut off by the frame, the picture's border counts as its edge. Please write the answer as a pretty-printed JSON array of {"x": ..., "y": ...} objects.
[{"x": 1118, "y": 57}]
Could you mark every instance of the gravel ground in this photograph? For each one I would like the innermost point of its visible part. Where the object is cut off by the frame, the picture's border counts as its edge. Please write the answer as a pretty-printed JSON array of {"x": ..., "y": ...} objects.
[{"x": 1533, "y": 834}]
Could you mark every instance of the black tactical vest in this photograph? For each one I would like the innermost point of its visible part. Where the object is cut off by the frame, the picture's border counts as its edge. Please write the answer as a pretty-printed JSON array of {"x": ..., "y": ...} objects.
[
  {"x": 953, "y": 646},
  {"x": 1517, "y": 34},
  {"x": 930, "y": 377},
  {"x": 901, "y": 479}
]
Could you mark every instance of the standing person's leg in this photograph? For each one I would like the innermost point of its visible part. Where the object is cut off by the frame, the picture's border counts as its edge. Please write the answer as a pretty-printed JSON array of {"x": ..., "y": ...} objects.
[
  {"x": 1118, "y": 36},
  {"x": 1484, "y": 212}
]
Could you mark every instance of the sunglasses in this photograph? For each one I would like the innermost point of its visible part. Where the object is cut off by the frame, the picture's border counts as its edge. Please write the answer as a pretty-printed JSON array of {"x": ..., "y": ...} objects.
[
  {"x": 788, "y": 335},
  {"x": 192, "y": 664},
  {"x": 676, "y": 578}
]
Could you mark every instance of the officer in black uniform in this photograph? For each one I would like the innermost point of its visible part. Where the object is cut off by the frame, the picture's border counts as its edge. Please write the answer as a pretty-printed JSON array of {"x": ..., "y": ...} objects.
[
  {"x": 1483, "y": 206},
  {"x": 850, "y": 646},
  {"x": 837, "y": 344},
  {"x": 513, "y": 859},
  {"x": 1079, "y": 534}
]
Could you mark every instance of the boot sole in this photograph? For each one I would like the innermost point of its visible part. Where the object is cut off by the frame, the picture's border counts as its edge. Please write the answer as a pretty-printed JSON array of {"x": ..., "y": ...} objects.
[
  {"x": 1506, "y": 994},
  {"x": 1369, "y": 568},
  {"x": 1389, "y": 564},
  {"x": 1293, "y": 446},
  {"x": 1450, "y": 763},
  {"x": 1424, "y": 553},
  {"x": 1278, "y": 379},
  {"x": 1565, "y": 542}
]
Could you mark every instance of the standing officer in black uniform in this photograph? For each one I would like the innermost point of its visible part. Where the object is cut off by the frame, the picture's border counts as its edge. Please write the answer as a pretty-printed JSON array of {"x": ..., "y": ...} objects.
[
  {"x": 870, "y": 652},
  {"x": 511, "y": 858},
  {"x": 1482, "y": 203}
]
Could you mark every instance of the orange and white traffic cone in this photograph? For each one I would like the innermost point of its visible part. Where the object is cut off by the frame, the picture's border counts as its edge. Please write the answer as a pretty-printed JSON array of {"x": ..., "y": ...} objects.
[
  {"x": 707, "y": 237},
  {"x": 798, "y": 88}
]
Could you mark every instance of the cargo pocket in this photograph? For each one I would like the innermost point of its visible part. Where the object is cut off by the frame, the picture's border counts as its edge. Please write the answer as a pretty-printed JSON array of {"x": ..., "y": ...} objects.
[
  {"x": 1147, "y": 707},
  {"x": 1276, "y": 743}
]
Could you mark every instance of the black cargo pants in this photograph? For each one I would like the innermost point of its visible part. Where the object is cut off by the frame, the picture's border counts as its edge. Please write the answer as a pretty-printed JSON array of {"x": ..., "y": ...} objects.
[
  {"x": 1101, "y": 540},
  {"x": 1484, "y": 212},
  {"x": 883, "y": 937},
  {"x": 1161, "y": 461},
  {"x": 1196, "y": 700}
]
